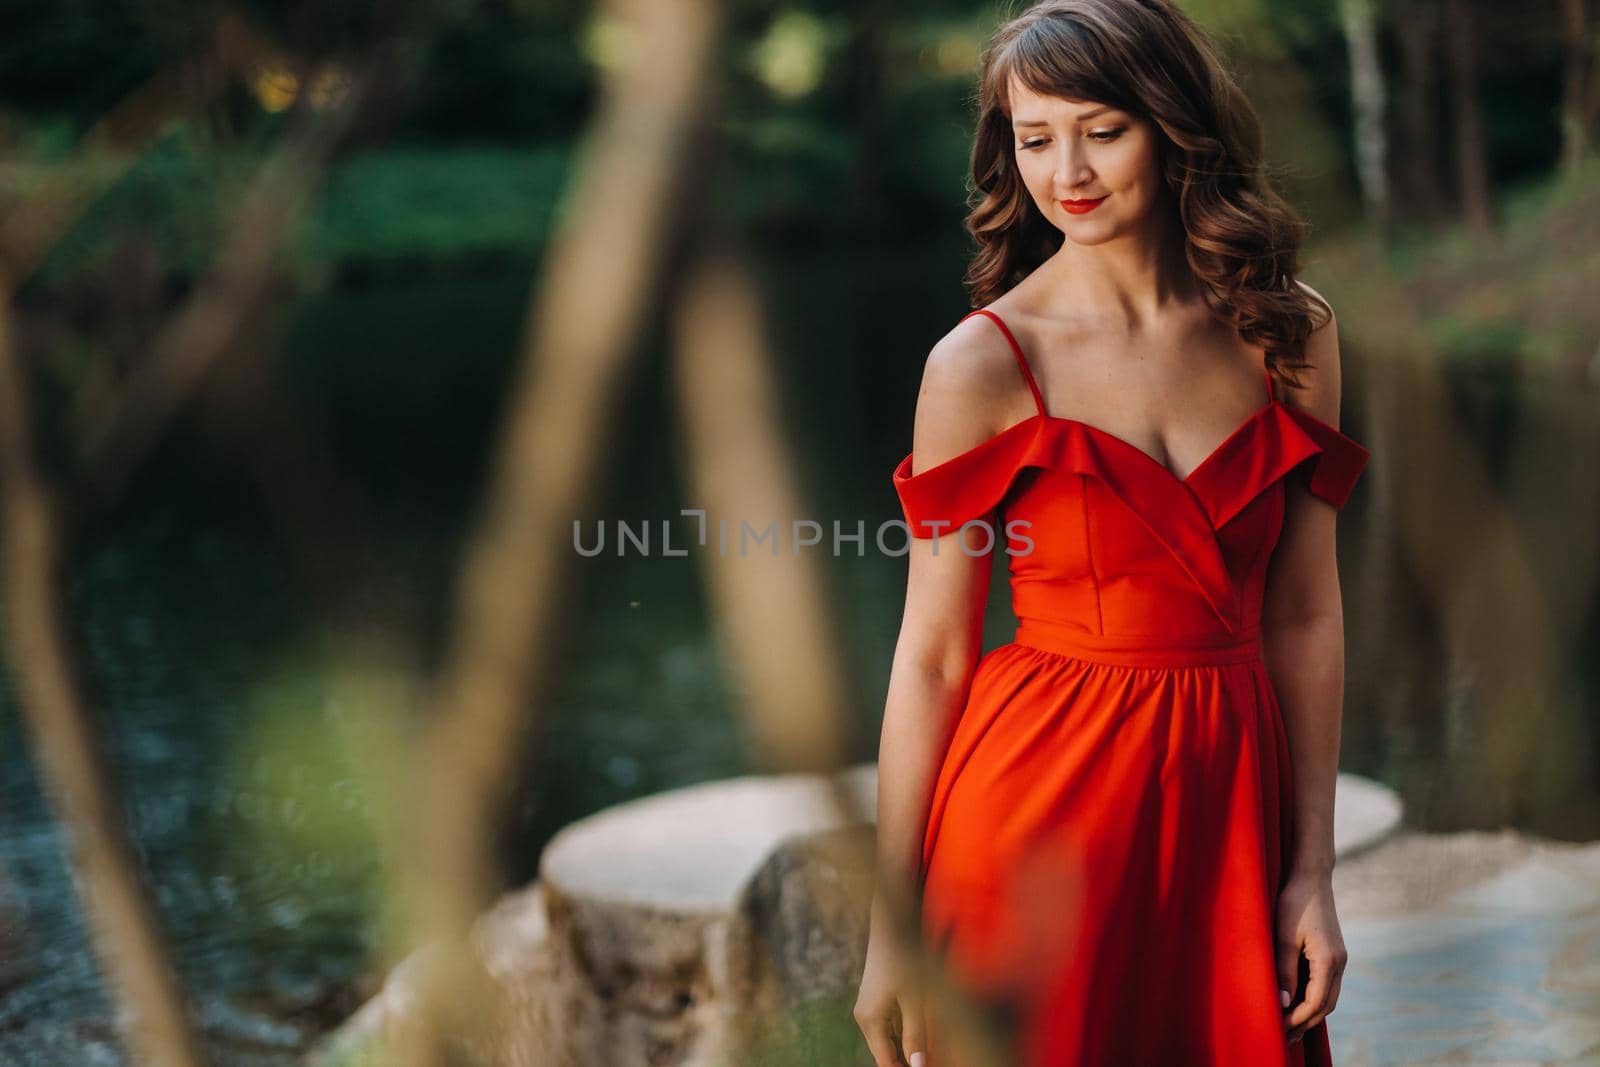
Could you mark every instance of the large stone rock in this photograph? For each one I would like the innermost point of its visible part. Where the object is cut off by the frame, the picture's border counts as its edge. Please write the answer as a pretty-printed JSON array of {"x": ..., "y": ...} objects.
[
  {"x": 806, "y": 910},
  {"x": 649, "y": 900}
]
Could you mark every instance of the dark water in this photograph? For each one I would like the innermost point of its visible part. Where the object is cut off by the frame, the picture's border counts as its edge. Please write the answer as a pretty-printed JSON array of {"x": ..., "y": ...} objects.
[
  {"x": 225, "y": 725},
  {"x": 192, "y": 644}
]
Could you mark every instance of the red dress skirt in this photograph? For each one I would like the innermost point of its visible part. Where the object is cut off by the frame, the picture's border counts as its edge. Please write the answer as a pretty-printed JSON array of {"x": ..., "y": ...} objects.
[{"x": 1110, "y": 824}]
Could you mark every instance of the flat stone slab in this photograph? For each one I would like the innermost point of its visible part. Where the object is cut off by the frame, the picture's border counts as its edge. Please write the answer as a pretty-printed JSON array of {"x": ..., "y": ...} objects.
[
  {"x": 696, "y": 848},
  {"x": 1481, "y": 947},
  {"x": 1365, "y": 812},
  {"x": 1541, "y": 884}
]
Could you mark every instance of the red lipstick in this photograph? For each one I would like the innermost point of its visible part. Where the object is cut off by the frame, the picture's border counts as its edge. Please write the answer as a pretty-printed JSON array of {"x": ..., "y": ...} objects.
[{"x": 1080, "y": 207}]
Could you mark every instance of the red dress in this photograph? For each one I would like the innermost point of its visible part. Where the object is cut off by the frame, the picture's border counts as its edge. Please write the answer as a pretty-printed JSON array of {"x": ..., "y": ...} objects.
[{"x": 1110, "y": 822}]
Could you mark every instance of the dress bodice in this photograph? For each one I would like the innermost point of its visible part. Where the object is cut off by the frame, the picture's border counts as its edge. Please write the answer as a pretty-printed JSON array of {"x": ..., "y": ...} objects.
[{"x": 1104, "y": 540}]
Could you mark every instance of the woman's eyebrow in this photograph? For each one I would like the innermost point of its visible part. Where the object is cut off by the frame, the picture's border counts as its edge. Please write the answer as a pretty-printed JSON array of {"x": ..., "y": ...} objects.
[{"x": 1021, "y": 123}]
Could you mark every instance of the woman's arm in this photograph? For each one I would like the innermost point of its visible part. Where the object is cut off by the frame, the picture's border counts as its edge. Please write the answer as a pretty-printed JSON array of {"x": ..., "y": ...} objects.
[
  {"x": 1303, "y": 644},
  {"x": 1303, "y": 628},
  {"x": 969, "y": 380},
  {"x": 958, "y": 407},
  {"x": 934, "y": 658}
]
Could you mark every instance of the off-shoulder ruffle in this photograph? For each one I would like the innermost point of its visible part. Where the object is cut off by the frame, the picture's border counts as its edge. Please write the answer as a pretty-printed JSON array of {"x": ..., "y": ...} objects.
[{"x": 1275, "y": 440}]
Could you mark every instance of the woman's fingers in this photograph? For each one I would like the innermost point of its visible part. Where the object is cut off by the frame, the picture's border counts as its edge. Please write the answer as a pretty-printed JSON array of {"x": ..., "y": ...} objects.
[
  {"x": 882, "y": 1045},
  {"x": 1327, "y": 1009},
  {"x": 1316, "y": 994},
  {"x": 1327, "y": 968},
  {"x": 1288, "y": 971},
  {"x": 913, "y": 1040},
  {"x": 880, "y": 1042}
]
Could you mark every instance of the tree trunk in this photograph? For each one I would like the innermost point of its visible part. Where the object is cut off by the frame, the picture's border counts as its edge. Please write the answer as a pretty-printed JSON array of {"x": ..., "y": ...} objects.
[
  {"x": 1367, "y": 104},
  {"x": 1575, "y": 76},
  {"x": 1472, "y": 162},
  {"x": 866, "y": 89},
  {"x": 1418, "y": 189}
]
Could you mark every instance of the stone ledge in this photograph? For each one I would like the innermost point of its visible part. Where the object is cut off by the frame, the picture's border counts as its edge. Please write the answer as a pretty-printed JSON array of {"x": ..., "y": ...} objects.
[{"x": 1471, "y": 948}]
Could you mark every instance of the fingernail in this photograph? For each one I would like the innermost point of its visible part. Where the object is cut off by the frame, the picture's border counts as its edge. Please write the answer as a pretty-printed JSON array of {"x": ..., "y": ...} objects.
[
  {"x": 1283, "y": 995},
  {"x": 918, "y": 1059}
]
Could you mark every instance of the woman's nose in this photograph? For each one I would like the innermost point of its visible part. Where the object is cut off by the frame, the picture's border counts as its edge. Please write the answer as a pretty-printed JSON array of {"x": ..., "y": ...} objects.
[{"x": 1072, "y": 169}]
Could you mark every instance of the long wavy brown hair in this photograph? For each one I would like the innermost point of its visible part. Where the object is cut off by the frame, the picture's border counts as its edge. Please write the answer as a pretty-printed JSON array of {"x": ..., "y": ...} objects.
[{"x": 1149, "y": 58}]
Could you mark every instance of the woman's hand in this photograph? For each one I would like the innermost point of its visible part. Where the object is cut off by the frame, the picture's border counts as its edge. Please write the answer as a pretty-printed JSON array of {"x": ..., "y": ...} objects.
[
  {"x": 889, "y": 1006},
  {"x": 1308, "y": 925}
]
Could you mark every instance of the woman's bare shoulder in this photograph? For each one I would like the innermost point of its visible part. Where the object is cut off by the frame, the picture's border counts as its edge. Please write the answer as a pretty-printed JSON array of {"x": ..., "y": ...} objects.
[
  {"x": 1321, "y": 376},
  {"x": 969, "y": 392}
]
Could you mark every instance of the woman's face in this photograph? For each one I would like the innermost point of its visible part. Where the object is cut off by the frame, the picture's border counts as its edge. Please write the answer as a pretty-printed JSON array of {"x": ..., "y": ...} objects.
[{"x": 1091, "y": 168}]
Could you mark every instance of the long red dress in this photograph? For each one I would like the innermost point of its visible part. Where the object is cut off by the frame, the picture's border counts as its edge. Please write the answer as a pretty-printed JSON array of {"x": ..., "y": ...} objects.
[{"x": 1110, "y": 822}]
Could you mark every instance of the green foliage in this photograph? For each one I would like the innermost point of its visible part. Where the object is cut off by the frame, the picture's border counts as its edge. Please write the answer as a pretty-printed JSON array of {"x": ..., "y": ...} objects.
[
  {"x": 1522, "y": 291},
  {"x": 170, "y": 197},
  {"x": 820, "y": 1030},
  {"x": 793, "y": 168},
  {"x": 367, "y": 1053},
  {"x": 1475, "y": 339},
  {"x": 443, "y": 206},
  {"x": 439, "y": 204},
  {"x": 305, "y": 823}
]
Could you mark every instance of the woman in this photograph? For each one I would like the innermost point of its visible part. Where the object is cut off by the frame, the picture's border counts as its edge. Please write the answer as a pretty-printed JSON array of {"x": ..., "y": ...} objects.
[{"x": 1118, "y": 829}]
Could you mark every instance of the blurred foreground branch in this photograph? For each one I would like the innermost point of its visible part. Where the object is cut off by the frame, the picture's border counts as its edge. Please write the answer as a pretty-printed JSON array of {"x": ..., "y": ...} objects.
[
  {"x": 583, "y": 326},
  {"x": 122, "y": 920},
  {"x": 39, "y": 519},
  {"x": 771, "y": 609}
]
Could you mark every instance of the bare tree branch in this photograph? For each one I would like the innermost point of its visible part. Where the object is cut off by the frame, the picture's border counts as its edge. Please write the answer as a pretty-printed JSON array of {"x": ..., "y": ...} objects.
[
  {"x": 582, "y": 328},
  {"x": 105, "y": 152},
  {"x": 199, "y": 333},
  {"x": 794, "y": 689},
  {"x": 34, "y": 516},
  {"x": 122, "y": 920}
]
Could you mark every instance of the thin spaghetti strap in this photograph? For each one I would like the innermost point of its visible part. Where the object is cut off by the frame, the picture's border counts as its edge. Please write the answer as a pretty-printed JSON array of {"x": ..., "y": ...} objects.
[
  {"x": 1270, "y": 397},
  {"x": 1022, "y": 360}
]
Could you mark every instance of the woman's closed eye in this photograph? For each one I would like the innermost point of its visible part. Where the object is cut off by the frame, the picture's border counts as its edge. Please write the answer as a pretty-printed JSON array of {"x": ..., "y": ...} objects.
[{"x": 1102, "y": 136}]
